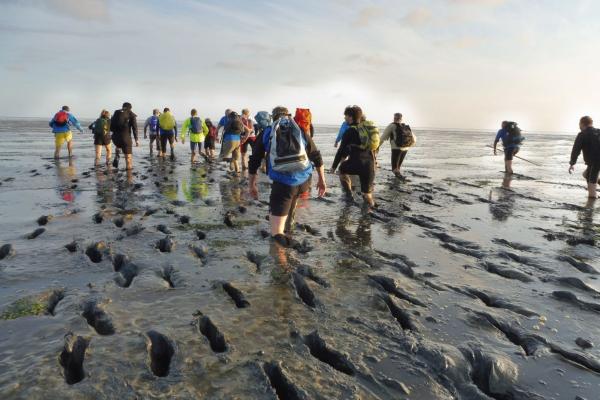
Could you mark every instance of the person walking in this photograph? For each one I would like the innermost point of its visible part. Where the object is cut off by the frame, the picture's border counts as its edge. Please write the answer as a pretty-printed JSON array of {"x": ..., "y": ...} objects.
[
  {"x": 401, "y": 139},
  {"x": 248, "y": 137},
  {"x": 152, "y": 125},
  {"x": 211, "y": 139},
  {"x": 61, "y": 125},
  {"x": 588, "y": 142},
  {"x": 122, "y": 124},
  {"x": 101, "y": 130},
  {"x": 197, "y": 130},
  {"x": 510, "y": 135},
  {"x": 167, "y": 127}
]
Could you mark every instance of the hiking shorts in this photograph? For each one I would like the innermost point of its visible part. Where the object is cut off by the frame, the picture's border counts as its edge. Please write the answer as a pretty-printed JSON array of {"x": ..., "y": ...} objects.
[
  {"x": 209, "y": 143},
  {"x": 166, "y": 138},
  {"x": 126, "y": 146},
  {"x": 592, "y": 172},
  {"x": 397, "y": 158},
  {"x": 194, "y": 145},
  {"x": 284, "y": 197},
  {"x": 510, "y": 152},
  {"x": 60, "y": 138},
  {"x": 101, "y": 140},
  {"x": 231, "y": 149},
  {"x": 364, "y": 168}
]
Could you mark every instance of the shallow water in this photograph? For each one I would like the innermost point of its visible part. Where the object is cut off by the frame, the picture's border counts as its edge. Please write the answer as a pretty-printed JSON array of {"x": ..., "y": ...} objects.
[{"x": 445, "y": 292}]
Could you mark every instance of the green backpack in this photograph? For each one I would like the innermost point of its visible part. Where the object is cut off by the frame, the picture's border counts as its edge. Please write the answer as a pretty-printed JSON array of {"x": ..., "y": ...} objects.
[
  {"x": 369, "y": 135},
  {"x": 101, "y": 127}
]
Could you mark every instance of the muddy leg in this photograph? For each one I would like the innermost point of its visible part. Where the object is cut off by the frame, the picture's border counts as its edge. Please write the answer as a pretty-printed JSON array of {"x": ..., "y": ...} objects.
[
  {"x": 98, "y": 155},
  {"x": 70, "y": 148}
]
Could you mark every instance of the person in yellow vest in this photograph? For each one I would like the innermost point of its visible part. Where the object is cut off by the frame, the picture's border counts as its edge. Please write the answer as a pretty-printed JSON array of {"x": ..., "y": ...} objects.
[
  {"x": 168, "y": 132},
  {"x": 197, "y": 129}
]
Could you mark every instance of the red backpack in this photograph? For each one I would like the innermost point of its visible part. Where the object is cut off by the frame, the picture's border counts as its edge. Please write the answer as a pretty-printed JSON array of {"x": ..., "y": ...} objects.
[
  {"x": 303, "y": 118},
  {"x": 61, "y": 118}
]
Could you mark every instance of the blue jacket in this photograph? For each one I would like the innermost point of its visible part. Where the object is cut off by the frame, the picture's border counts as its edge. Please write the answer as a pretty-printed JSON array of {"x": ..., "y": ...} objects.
[
  {"x": 56, "y": 129},
  {"x": 294, "y": 179},
  {"x": 341, "y": 132}
]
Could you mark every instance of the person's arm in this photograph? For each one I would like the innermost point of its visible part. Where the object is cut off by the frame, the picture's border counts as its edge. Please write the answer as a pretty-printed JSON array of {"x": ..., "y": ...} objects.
[
  {"x": 577, "y": 146},
  {"x": 498, "y": 136},
  {"x": 387, "y": 134},
  {"x": 314, "y": 155},
  {"x": 258, "y": 154},
  {"x": 175, "y": 128},
  {"x": 91, "y": 127},
  {"x": 146, "y": 125},
  {"x": 134, "y": 128},
  {"x": 204, "y": 128},
  {"x": 184, "y": 129},
  {"x": 343, "y": 150},
  {"x": 51, "y": 123},
  {"x": 341, "y": 132},
  {"x": 73, "y": 121}
]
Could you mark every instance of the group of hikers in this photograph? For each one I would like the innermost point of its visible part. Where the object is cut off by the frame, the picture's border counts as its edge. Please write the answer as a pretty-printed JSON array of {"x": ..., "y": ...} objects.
[{"x": 286, "y": 145}]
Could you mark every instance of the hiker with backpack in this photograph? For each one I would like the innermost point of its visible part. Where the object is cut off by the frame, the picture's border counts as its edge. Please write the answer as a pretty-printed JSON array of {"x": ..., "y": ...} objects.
[
  {"x": 248, "y": 137},
  {"x": 221, "y": 124},
  {"x": 359, "y": 144},
  {"x": 343, "y": 128},
  {"x": 61, "y": 127},
  {"x": 290, "y": 155},
  {"x": 401, "y": 139},
  {"x": 211, "y": 139},
  {"x": 303, "y": 118},
  {"x": 263, "y": 121},
  {"x": 198, "y": 131},
  {"x": 230, "y": 147},
  {"x": 588, "y": 142},
  {"x": 167, "y": 128},
  {"x": 152, "y": 124},
  {"x": 101, "y": 130},
  {"x": 511, "y": 137},
  {"x": 122, "y": 124}
]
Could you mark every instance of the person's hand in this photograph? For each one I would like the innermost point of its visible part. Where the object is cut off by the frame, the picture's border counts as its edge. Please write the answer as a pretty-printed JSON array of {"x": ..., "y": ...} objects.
[
  {"x": 321, "y": 187},
  {"x": 335, "y": 145},
  {"x": 332, "y": 170},
  {"x": 495, "y": 152},
  {"x": 571, "y": 169},
  {"x": 137, "y": 143}
]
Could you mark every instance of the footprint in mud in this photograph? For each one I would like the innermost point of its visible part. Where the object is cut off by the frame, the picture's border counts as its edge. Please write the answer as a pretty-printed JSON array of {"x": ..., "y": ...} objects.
[
  {"x": 126, "y": 275},
  {"x": 72, "y": 357},
  {"x": 309, "y": 229},
  {"x": 303, "y": 291},
  {"x": 505, "y": 272},
  {"x": 283, "y": 386},
  {"x": 200, "y": 235},
  {"x": 390, "y": 286},
  {"x": 321, "y": 351},
  {"x": 495, "y": 375},
  {"x": 97, "y": 318},
  {"x": 403, "y": 317},
  {"x": 236, "y": 295},
  {"x": 494, "y": 301},
  {"x": 44, "y": 219},
  {"x": 216, "y": 339},
  {"x": 134, "y": 230},
  {"x": 95, "y": 252},
  {"x": 119, "y": 222},
  {"x": 184, "y": 219},
  {"x": 255, "y": 258},
  {"x": 584, "y": 343},
  {"x": 7, "y": 250},
  {"x": 98, "y": 218},
  {"x": 164, "y": 229},
  {"x": 578, "y": 264},
  {"x": 308, "y": 272},
  {"x": 36, "y": 233},
  {"x": 165, "y": 245},
  {"x": 171, "y": 276},
  {"x": 161, "y": 350},
  {"x": 119, "y": 261},
  {"x": 72, "y": 247},
  {"x": 229, "y": 219},
  {"x": 150, "y": 211},
  {"x": 200, "y": 252}
]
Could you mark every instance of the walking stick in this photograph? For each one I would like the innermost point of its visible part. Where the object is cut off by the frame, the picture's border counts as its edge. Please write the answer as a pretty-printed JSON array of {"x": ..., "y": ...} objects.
[{"x": 520, "y": 158}]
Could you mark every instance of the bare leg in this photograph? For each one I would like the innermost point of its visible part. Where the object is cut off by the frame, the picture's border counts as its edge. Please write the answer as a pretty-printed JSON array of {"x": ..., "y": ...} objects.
[
  {"x": 129, "y": 161},
  {"x": 98, "y": 154},
  {"x": 346, "y": 183},
  {"x": 368, "y": 198},
  {"x": 151, "y": 143},
  {"x": 508, "y": 166},
  {"x": 70, "y": 148},
  {"x": 592, "y": 190},
  {"x": 193, "y": 156},
  {"x": 277, "y": 224},
  {"x": 108, "y": 154}
]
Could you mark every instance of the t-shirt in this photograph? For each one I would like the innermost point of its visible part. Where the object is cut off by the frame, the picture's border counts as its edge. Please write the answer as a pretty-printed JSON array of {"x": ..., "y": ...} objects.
[{"x": 503, "y": 136}]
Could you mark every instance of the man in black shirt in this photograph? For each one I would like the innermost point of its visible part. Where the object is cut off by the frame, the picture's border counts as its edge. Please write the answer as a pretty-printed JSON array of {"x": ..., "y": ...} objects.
[
  {"x": 588, "y": 142},
  {"x": 122, "y": 125}
]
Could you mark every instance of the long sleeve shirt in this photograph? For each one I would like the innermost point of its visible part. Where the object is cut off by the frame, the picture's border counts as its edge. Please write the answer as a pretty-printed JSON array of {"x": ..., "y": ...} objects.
[
  {"x": 342, "y": 131},
  {"x": 72, "y": 121},
  {"x": 194, "y": 137},
  {"x": 588, "y": 142},
  {"x": 388, "y": 134},
  {"x": 349, "y": 148}
]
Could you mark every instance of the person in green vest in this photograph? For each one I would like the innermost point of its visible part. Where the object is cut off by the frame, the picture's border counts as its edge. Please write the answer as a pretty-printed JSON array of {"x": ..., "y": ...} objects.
[
  {"x": 167, "y": 127},
  {"x": 101, "y": 130},
  {"x": 197, "y": 129}
]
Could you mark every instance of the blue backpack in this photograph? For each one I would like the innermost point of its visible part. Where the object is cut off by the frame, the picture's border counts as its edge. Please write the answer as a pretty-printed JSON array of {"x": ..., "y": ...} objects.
[
  {"x": 154, "y": 123},
  {"x": 196, "y": 124}
]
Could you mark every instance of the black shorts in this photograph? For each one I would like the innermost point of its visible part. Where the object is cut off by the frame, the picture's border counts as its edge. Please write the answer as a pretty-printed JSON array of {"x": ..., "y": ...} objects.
[
  {"x": 284, "y": 197},
  {"x": 364, "y": 168},
  {"x": 249, "y": 142},
  {"x": 101, "y": 140},
  {"x": 397, "y": 158},
  {"x": 123, "y": 143},
  {"x": 592, "y": 172},
  {"x": 509, "y": 153},
  {"x": 166, "y": 137},
  {"x": 209, "y": 143}
]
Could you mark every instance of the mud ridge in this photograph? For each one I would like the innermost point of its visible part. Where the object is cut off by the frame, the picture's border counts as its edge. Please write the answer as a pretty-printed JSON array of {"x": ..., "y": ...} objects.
[
  {"x": 505, "y": 272},
  {"x": 514, "y": 245},
  {"x": 309, "y": 273},
  {"x": 319, "y": 349},
  {"x": 569, "y": 297},
  {"x": 523, "y": 260},
  {"x": 390, "y": 286},
  {"x": 303, "y": 291},
  {"x": 161, "y": 351},
  {"x": 97, "y": 318},
  {"x": 463, "y": 250},
  {"x": 403, "y": 317},
  {"x": 72, "y": 357},
  {"x": 236, "y": 295},
  {"x": 495, "y": 302},
  {"x": 255, "y": 258},
  {"x": 578, "y": 264}
]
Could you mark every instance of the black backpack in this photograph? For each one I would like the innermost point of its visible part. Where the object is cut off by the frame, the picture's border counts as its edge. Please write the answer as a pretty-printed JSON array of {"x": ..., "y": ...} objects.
[
  {"x": 234, "y": 124},
  {"x": 196, "y": 125},
  {"x": 403, "y": 136},
  {"x": 119, "y": 121},
  {"x": 514, "y": 134},
  {"x": 595, "y": 141}
]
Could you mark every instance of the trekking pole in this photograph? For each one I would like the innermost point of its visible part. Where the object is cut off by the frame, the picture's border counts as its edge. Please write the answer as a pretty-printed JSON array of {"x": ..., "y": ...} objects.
[{"x": 520, "y": 158}]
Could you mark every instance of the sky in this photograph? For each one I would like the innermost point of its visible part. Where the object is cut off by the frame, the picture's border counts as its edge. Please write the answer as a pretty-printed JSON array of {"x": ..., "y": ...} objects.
[{"x": 459, "y": 64}]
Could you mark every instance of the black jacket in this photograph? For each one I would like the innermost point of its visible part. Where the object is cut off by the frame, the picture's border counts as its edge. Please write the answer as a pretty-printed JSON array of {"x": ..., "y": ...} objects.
[
  {"x": 587, "y": 141},
  {"x": 123, "y": 123},
  {"x": 349, "y": 148}
]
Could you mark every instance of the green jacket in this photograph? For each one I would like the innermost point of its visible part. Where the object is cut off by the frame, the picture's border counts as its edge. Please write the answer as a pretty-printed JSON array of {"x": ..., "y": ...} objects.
[{"x": 194, "y": 137}]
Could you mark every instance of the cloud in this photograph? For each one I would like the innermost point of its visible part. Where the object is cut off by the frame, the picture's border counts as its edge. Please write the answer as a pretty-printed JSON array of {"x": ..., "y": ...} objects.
[
  {"x": 62, "y": 32},
  {"x": 417, "y": 17},
  {"x": 370, "y": 60},
  {"x": 77, "y": 9},
  {"x": 235, "y": 65},
  {"x": 484, "y": 3},
  {"x": 367, "y": 15}
]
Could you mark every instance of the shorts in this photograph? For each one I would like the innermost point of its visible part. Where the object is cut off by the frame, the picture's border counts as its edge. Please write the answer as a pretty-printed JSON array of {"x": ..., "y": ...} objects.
[
  {"x": 231, "y": 149},
  {"x": 364, "y": 168},
  {"x": 166, "y": 137},
  {"x": 510, "y": 152},
  {"x": 126, "y": 146},
  {"x": 60, "y": 138},
  {"x": 194, "y": 145},
  {"x": 397, "y": 158},
  {"x": 284, "y": 197},
  {"x": 153, "y": 136},
  {"x": 592, "y": 172},
  {"x": 101, "y": 140},
  {"x": 209, "y": 143},
  {"x": 249, "y": 142}
]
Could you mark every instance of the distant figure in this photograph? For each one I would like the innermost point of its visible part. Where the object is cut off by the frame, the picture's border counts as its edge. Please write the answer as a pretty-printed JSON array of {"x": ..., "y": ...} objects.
[
  {"x": 211, "y": 139},
  {"x": 289, "y": 166},
  {"x": 401, "y": 139},
  {"x": 152, "y": 124},
  {"x": 198, "y": 131},
  {"x": 359, "y": 144},
  {"x": 232, "y": 134},
  {"x": 263, "y": 121},
  {"x": 222, "y": 122},
  {"x": 510, "y": 134},
  {"x": 61, "y": 127},
  {"x": 248, "y": 137},
  {"x": 122, "y": 124},
  {"x": 588, "y": 142},
  {"x": 343, "y": 128},
  {"x": 167, "y": 127},
  {"x": 303, "y": 118},
  {"x": 101, "y": 130}
]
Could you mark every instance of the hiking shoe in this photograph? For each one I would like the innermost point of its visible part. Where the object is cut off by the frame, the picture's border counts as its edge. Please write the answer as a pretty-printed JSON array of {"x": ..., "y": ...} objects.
[{"x": 115, "y": 163}]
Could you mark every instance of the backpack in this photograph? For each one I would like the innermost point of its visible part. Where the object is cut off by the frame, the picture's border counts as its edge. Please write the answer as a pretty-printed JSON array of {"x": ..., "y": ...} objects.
[
  {"x": 369, "y": 136},
  {"x": 287, "y": 147},
  {"x": 119, "y": 121},
  {"x": 303, "y": 118},
  {"x": 153, "y": 123},
  {"x": 101, "y": 127},
  {"x": 166, "y": 121},
  {"x": 403, "y": 136},
  {"x": 263, "y": 120},
  {"x": 196, "y": 125},
  {"x": 514, "y": 134},
  {"x": 234, "y": 124},
  {"x": 595, "y": 141},
  {"x": 61, "y": 118}
]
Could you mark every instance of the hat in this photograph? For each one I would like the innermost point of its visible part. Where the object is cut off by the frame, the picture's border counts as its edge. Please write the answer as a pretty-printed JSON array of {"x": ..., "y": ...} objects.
[{"x": 279, "y": 112}]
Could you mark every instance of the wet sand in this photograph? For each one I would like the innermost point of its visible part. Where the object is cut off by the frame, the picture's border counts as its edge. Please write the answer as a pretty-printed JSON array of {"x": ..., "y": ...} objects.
[{"x": 462, "y": 284}]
